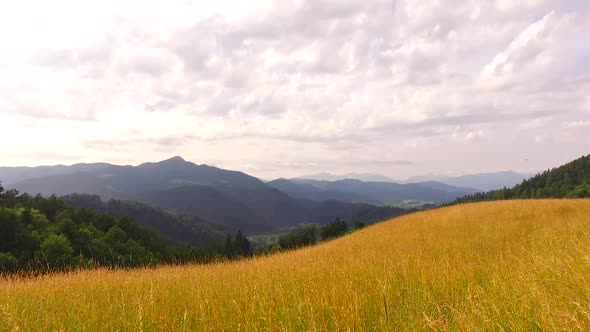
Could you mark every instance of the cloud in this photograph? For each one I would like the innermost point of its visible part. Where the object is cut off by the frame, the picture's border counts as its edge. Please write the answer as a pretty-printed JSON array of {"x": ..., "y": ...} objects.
[
  {"x": 547, "y": 50},
  {"x": 309, "y": 82},
  {"x": 474, "y": 135}
]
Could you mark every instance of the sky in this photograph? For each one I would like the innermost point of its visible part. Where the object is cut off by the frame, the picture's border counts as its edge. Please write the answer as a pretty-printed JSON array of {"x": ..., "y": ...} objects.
[{"x": 286, "y": 88}]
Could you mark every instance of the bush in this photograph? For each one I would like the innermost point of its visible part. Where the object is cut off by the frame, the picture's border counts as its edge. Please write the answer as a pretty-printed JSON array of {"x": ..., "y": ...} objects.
[
  {"x": 300, "y": 237},
  {"x": 57, "y": 250},
  {"x": 7, "y": 262},
  {"x": 334, "y": 229},
  {"x": 8, "y": 228}
]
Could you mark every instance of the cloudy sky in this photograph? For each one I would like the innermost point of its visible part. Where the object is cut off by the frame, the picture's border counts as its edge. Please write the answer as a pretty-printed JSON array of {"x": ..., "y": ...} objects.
[{"x": 400, "y": 87}]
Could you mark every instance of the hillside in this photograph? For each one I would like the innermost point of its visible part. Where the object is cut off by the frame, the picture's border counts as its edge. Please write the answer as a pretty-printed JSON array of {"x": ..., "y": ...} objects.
[
  {"x": 571, "y": 180},
  {"x": 209, "y": 204},
  {"x": 516, "y": 265},
  {"x": 302, "y": 189},
  {"x": 175, "y": 229}
]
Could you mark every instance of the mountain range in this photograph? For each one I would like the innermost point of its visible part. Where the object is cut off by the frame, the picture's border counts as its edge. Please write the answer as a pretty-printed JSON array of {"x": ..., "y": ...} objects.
[
  {"x": 228, "y": 199},
  {"x": 366, "y": 177},
  {"x": 480, "y": 181},
  {"x": 368, "y": 192}
]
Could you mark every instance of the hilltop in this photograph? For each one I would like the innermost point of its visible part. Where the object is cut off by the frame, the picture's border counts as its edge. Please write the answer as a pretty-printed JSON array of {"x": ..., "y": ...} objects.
[{"x": 516, "y": 265}]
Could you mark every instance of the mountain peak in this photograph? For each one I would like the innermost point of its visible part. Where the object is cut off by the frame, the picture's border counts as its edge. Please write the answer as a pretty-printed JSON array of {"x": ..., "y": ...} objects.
[{"x": 175, "y": 160}]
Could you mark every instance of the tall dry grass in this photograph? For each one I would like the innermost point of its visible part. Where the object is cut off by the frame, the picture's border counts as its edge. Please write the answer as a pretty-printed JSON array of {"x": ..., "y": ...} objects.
[{"x": 516, "y": 265}]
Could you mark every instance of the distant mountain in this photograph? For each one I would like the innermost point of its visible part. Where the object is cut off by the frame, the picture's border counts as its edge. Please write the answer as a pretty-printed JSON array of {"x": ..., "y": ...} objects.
[
  {"x": 127, "y": 182},
  {"x": 571, "y": 180},
  {"x": 482, "y": 181},
  {"x": 368, "y": 192},
  {"x": 366, "y": 177},
  {"x": 10, "y": 175},
  {"x": 229, "y": 199},
  {"x": 301, "y": 189}
]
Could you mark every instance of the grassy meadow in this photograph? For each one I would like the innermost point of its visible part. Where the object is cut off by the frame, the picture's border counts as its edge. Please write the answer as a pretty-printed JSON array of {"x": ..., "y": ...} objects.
[{"x": 510, "y": 265}]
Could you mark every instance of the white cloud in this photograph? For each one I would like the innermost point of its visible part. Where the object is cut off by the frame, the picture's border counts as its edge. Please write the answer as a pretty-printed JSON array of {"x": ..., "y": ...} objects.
[
  {"x": 547, "y": 51},
  {"x": 319, "y": 85}
]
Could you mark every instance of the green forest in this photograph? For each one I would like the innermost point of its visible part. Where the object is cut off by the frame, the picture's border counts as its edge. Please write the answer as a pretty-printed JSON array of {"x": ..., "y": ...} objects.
[
  {"x": 571, "y": 180},
  {"x": 44, "y": 234}
]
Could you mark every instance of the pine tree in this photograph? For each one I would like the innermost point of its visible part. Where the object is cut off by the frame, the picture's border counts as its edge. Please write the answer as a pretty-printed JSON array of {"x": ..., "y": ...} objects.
[
  {"x": 228, "y": 248},
  {"x": 334, "y": 229},
  {"x": 242, "y": 245},
  {"x": 1, "y": 194}
]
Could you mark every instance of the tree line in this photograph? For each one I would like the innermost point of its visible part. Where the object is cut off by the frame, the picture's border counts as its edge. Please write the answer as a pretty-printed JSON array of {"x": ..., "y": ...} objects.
[
  {"x": 303, "y": 236},
  {"x": 44, "y": 234},
  {"x": 571, "y": 180}
]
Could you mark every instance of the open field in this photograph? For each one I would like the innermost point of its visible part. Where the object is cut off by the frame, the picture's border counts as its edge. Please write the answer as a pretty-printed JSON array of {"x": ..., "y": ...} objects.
[{"x": 511, "y": 265}]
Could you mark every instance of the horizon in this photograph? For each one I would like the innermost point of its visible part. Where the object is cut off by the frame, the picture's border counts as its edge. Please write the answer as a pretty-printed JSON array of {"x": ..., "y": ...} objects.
[
  {"x": 278, "y": 89},
  {"x": 353, "y": 175}
]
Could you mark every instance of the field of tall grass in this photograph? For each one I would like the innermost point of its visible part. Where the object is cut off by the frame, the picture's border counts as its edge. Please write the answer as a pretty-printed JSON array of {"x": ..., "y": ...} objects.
[{"x": 511, "y": 265}]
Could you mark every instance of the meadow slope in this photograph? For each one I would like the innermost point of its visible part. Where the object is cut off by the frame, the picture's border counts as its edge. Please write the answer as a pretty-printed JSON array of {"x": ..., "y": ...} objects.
[{"x": 510, "y": 265}]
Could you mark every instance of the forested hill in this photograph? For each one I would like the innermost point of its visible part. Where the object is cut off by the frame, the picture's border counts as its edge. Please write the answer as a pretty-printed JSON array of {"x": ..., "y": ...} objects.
[
  {"x": 571, "y": 180},
  {"x": 175, "y": 229},
  {"x": 38, "y": 233},
  {"x": 45, "y": 234}
]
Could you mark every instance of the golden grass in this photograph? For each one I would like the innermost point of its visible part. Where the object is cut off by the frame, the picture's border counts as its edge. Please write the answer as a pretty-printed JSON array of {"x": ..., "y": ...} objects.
[{"x": 517, "y": 265}]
